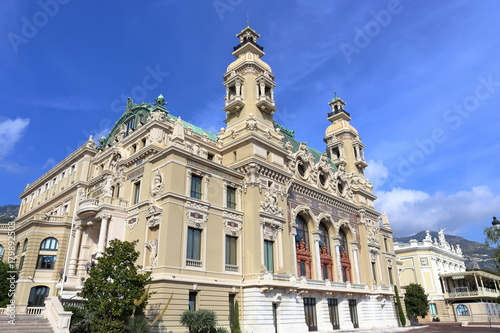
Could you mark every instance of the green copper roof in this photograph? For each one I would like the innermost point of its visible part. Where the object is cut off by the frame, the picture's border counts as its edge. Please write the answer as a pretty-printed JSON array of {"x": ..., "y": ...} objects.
[
  {"x": 136, "y": 114},
  {"x": 195, "y": 129}
]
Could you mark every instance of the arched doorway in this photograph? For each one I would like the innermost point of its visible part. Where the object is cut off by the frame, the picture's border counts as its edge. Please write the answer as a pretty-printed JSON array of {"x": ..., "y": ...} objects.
[{"x": 37, "y": 296}]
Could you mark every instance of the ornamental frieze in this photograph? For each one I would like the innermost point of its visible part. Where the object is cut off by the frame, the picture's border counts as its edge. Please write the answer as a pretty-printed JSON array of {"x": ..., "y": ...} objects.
[{"x": 297, "y": 199}]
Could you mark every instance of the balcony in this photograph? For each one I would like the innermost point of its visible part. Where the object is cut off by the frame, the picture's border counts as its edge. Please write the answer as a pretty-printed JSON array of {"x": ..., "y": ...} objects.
[
  {"x": 193, "y": 263},
  {"x": 87, "y": 208},
  {"x": 233, "y": 105},
  {"x": 360, "y": 162},
  {"x": 266, "y": 104},
  {"x": 486, "y": 292}
]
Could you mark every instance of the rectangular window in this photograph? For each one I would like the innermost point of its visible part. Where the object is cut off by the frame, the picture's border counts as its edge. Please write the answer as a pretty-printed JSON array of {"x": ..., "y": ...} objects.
[
  {"x": 269, "y": 255},
  {"x": 353, "y": 311},
  {"x": 333, "y": 310},
  {"x": 130, "y": 127},
  {"x": 310, "y": 313},
  {"x": 374, "y": 273},
  {"x": 196, "y": 187},
  {"x": 231, "y": 198},
  {"x": 231, "y": 252},
  {"x": 433, "y": 308},
  {"x": 193, "y": 244},
  {"x": 46, "y": 262},
  {"x": 390, "y": 276},
  {"x": 192, "y": 300},
  {"x": 137, "y": 192}
]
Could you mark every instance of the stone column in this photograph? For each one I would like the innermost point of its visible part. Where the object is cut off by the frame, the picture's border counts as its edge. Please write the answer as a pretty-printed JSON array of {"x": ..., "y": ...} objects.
[
  {"x": 73, "y": 261},
  {"x": 279, "y": 249},
  {"x": 354, "y": 246},
  {"x": 101, "y": 246},
  {"x": 336, "y": 245},
  {"x": 319, "y": 274}
]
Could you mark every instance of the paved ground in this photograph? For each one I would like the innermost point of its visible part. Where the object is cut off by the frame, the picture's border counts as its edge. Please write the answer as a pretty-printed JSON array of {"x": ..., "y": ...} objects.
[{"x": 432, "y": 328}]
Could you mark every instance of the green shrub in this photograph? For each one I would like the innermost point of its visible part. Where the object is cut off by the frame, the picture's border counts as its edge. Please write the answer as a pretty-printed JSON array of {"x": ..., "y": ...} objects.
[{"x": 201, "y": 321}]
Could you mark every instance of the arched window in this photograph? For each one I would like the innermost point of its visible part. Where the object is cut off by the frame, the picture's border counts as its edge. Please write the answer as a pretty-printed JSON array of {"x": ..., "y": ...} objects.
[
  {"x": 49, "y": 244},
  {"x": 25, "y": 245},
  {"x": 325, "y": 253},
  {"x": 343, "y": 243},
  {"x": 323, "y": 237},
  {"x": 302, "y": 231},
  {"x": 462, "y": 310},
  {"x": 1, "y": 252},
  {"x": 46, "y": 257},
  {"x": 304, "y": 256},
  {"x": 17, "y": 248},
  {"x": 37, "y": 296},
  {"x": 345, "y": 262}
]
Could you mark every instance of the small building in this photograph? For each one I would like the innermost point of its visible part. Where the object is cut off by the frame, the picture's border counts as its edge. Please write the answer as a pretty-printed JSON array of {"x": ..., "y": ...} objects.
[
  {"x": 472, "y": 295},
  {"x": 423, "y": 262}
]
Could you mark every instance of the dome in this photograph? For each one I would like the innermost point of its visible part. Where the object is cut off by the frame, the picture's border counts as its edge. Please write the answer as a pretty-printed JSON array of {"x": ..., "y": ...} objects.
[{"x": 338, "y": 126}]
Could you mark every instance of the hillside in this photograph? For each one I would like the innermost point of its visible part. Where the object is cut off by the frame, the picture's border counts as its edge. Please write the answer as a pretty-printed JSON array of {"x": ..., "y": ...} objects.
[
  {"x": 472, "y": 251},
  {"x": 8, "y": 213}
]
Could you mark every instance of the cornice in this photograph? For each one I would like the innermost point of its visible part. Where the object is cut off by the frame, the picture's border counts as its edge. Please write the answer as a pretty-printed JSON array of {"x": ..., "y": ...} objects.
[{"x": 76, "y": 156}]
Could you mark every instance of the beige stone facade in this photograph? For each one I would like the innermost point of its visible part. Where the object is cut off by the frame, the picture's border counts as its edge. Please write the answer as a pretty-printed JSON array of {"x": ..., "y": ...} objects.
[
  {"x": 250, "y": 214},
  {"x": 423, "y": 263}
]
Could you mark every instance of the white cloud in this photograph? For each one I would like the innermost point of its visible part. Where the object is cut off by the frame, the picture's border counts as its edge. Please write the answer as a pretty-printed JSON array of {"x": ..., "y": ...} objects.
[
  {"x": 411, "y": 211},
  {"x": 10, "y": 132},
  {"x": 49, "y": 163},
  {"x": 376, "y": 172}
]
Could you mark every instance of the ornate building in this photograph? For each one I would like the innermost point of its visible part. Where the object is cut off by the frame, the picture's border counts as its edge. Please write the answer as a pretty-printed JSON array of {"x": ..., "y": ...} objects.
[
  {"x": 425, "y": 263},
  {"x": 250, "y": 214}
]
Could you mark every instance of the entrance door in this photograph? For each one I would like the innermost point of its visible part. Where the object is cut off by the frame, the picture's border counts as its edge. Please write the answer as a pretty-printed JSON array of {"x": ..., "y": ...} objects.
[
  {"x": 333, "y": 309},
  {"x": 310, "y": 312},
  {"x": 37, "y": 296},
  {"x": 354, "y": 313}
]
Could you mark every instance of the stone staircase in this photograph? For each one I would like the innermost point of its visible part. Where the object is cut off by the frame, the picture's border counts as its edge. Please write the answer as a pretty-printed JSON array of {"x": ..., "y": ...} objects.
[{"x": 25, "y": 324}]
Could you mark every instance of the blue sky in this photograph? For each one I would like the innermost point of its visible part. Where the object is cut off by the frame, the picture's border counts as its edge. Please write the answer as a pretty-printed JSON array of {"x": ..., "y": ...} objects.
[{"x": 421, "y": 80}]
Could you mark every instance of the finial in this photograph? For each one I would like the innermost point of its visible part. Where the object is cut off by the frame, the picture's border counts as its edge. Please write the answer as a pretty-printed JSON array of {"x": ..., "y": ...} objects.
[
  {"x": 248, "y": 21},
  {"x": 334, "y": 91}
]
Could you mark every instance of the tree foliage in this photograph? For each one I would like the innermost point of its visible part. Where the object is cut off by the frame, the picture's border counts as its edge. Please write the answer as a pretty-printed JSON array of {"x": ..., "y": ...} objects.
[
  {"x": 113, "y": 285},
  {"x": 6, "y": 279},
  {"x": 401, "y": 314},
  {"x": 416, "y": 302},
  {"x": 200, "y": 321},
  {"x": 493, "y": 238},
  {"x": 236, "y": 318}
]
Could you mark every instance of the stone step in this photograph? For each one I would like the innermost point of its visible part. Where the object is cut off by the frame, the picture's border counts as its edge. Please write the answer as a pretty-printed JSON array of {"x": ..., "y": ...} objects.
[{"x": 25, "y": 324}]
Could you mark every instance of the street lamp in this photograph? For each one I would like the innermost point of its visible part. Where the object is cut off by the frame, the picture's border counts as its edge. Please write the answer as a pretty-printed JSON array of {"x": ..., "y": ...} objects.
[{"x": 495, "y": 223}]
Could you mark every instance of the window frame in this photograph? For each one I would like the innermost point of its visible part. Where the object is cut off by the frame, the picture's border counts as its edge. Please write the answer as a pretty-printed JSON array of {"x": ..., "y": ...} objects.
[
  {"x": 231, "y": 194},
  {"x": 269, "y": 255},
  {"x": 196, "y": 193},
  {"x": 40, "y": 262},
  {"x": 193, "y": 251}
]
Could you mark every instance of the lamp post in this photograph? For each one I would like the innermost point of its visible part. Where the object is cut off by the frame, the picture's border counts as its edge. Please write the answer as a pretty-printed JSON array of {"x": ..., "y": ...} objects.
[
  {"x": 493, "y": 238},
  {"x": 495, "y": 223}
]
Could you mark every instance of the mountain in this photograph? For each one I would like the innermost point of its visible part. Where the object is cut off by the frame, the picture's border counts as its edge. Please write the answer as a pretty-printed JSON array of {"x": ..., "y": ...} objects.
[
  {"x": 472, "y": 251},
  {"x": 8, "y": 213}
]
